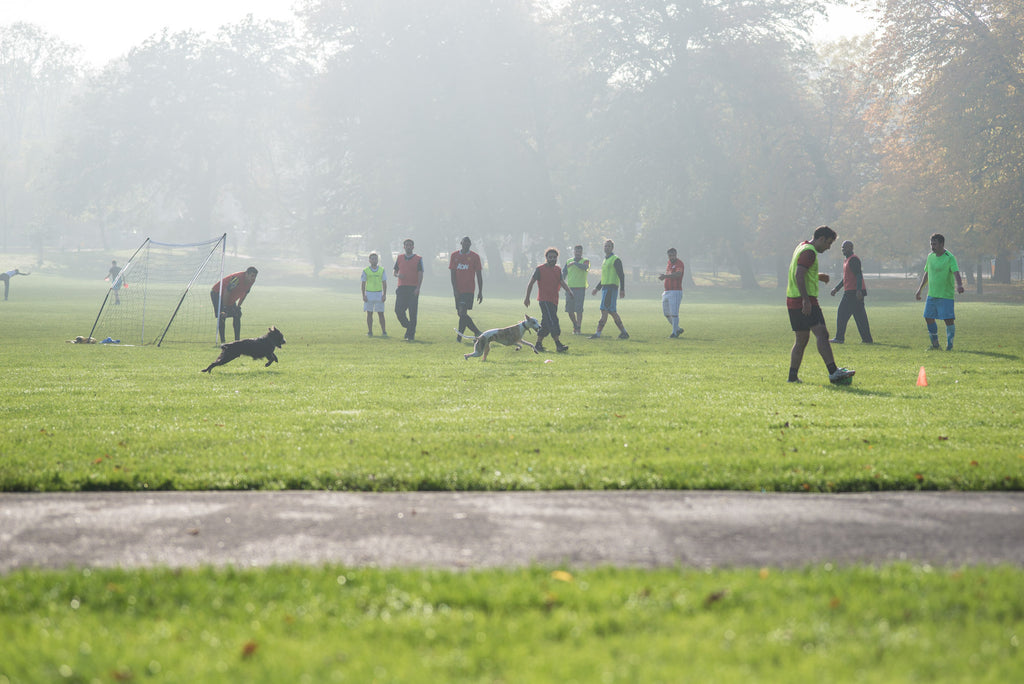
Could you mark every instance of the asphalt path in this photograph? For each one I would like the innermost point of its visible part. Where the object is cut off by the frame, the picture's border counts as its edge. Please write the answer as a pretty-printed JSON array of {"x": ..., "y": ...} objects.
[{"x": 461, "y": 530}]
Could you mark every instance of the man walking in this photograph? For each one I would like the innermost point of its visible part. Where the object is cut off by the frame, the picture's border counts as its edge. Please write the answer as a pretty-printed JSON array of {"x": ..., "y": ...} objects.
[
  {"x": 409, "y": 271},
  {"x": 852, "y": 303},
  {"x": 548, "y": 277},
  {"x": 940, "y": 269},
  {"x": 612, "y": 287},
  {"x": 467, "y": 273},
  {"x": 805, "y": 315},
  {"x": 575, "y": 273},
  {"x": 673, "y": 294}
]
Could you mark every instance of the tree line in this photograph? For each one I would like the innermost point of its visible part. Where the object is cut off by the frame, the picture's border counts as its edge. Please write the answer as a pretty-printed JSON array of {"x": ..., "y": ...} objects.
[{"x": 714, "y": 126}]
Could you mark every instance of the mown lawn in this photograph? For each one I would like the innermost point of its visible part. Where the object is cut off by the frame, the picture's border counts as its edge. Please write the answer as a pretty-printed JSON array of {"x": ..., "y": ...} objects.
[{"x": 346, "y": 412}]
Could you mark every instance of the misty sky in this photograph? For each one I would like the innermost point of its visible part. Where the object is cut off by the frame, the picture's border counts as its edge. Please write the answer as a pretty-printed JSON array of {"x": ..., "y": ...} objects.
[{"x": 106, "y": 29}]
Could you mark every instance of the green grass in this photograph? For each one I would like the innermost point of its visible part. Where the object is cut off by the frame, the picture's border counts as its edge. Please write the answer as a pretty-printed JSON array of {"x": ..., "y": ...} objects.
[
  {"x": 345, "y": 412},
  {"x": 342, "y": 411},
  {"x": 897, "y": 623}
]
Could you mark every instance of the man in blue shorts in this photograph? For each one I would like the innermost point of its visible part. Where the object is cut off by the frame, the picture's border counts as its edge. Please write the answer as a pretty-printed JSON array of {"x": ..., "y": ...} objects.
[
  {"x": 940, "y": 269},
  {"x": 612, "y": 287},
  {"x": 805, "y": 315}
]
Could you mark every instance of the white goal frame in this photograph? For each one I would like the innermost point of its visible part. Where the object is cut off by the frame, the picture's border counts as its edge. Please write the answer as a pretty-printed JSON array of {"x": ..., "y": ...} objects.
[{"x": 160, "y": 314}]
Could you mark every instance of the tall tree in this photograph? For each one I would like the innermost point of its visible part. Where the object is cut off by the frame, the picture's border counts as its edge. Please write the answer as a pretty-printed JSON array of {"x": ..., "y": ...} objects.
[
  {"x": 956, "y": 75},
  {"x": 435, "y": 116},
  {"x": 38, "y": 75},
  {"x": 704, "y": 118}
]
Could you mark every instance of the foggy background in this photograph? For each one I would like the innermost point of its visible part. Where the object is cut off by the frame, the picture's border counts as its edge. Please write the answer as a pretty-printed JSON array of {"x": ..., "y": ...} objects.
[{"x": 714, "y": 126}]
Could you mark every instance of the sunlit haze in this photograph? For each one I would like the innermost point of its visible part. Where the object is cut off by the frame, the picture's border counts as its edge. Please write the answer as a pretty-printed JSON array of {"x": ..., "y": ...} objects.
[{"x": 106, "y": 29}]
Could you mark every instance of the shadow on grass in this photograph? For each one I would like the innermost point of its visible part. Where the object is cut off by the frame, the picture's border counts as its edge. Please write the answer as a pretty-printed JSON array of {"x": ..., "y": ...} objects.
[{"x": 991, "y": 355}]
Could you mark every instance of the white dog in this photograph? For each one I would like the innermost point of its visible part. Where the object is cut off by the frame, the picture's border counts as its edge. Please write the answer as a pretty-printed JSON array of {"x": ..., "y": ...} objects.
[{"x": 512, "y": 335}]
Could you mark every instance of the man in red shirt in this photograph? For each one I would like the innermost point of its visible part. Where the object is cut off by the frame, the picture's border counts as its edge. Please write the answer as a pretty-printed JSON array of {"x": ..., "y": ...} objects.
[
  {"x": 466, "y": 272},
  {"x": 852, "y": 304},
  {"x": 228, "y": 295},
  {"x": 673, "y": 294},
  {"x": 548, "y": 277},
  {"x": 409, "y": 271}
]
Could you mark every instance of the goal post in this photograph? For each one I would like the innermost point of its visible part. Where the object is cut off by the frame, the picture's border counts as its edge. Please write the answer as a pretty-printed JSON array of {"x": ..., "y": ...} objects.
[{"x": 161, "y": 294}]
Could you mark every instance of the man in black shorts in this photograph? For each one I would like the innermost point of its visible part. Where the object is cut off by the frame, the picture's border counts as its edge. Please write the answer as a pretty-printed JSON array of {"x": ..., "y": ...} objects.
[{"x": 805, "y": 315}]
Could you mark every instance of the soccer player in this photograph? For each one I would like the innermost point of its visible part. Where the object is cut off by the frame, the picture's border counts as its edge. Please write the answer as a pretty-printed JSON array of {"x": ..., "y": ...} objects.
[
  {"x": 940, "y": 269},
  {"x": 612, "y": 287},
  {"x": 805, "y": 315},
  {"x": 852, "y": 304},
  {"x": 466, "y": 271},
  {"x": 409, "y": 271},
  {"x": 673, "y": 294},
  {"x": 548, "y": 277},
  {"x": 227, "y": 296},
  {"x": 374, "y": 287},
  {"x": 115, "y": 284},
  {"x": 6, "y": 277},
  {"x": 575, "y": 273}
]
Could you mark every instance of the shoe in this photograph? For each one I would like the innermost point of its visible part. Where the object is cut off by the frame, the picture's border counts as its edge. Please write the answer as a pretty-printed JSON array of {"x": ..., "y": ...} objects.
[
  {"x": 840, "y": 375},
  {"x": 835, "y": 340},
  {"x": 369, "y": 334},
  {"x": 383, "y": 334},
  {"x": 934, "y": 347},
  {"x": 540, "y": 348},
  {"x": 623, "y": 335},
  {"x": 595, "y": 336},
  {"x": 458, "y": 337},
  {"x": 949, "y": 347},
  {"x": 562, "y": 348},
  {"x": 796, "y": 380},
  {"x": 673, "y": 336},
  {"x": 867, "y": 341}
]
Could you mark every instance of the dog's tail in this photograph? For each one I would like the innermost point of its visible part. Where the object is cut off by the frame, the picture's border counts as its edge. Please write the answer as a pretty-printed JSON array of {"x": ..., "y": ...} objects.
[{"x": 464, "y": 335}]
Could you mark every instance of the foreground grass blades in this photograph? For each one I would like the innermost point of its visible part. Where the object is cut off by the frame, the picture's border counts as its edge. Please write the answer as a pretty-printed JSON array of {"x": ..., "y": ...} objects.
[
  {"x": 898, "y": 623},
  {"x": 342, "y": 411}
]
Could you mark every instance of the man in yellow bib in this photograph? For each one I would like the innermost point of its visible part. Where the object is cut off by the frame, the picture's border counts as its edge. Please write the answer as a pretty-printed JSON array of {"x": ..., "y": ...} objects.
[
  {"x": 612, "y": 288},
  {"x": 805, "y": 315},
  {"x": 375, "y": 291}
]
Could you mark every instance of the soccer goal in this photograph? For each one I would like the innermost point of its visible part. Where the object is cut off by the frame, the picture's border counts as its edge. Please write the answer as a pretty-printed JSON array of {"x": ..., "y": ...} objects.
[{"x": 162, "y": 294}]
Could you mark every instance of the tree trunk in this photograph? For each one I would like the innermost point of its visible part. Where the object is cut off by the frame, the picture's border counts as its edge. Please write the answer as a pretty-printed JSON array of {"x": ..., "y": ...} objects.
[{"x": 495, "y": 267}]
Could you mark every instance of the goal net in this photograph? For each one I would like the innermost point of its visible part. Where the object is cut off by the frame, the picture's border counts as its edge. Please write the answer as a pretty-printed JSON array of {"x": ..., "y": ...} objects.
[{"x": 162, "y": 294}]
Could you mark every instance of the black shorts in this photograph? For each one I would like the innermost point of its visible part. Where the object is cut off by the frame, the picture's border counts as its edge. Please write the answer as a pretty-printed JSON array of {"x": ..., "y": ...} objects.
[
  {"x": 799, "y": 322},
  {"x": 549, "y": 319},
  {"x": 464, "y": 300}
]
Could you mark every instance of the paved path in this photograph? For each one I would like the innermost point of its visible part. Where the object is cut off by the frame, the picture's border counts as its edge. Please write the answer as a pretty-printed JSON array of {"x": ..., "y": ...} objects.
[{"x": 468, "y": 530}]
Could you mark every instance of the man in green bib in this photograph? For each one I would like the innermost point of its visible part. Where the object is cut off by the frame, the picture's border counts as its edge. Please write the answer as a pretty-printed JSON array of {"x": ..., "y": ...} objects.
[
  {"x": 575, "y": 273},
  {"x": 805, "y": 316},
  {"x": 612, "y": 288}
]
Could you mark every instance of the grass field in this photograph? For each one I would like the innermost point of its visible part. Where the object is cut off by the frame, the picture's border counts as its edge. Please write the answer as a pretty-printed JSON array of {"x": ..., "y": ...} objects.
[{"x": 343, "y": 411}]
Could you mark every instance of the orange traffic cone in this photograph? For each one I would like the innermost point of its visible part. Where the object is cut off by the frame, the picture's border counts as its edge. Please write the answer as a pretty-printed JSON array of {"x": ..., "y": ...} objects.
[{"x": 922, "y": 379}]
